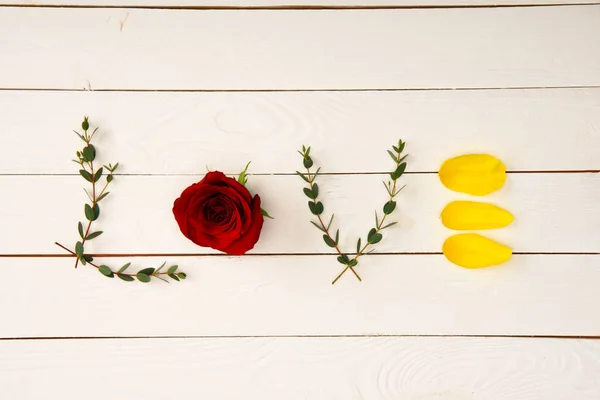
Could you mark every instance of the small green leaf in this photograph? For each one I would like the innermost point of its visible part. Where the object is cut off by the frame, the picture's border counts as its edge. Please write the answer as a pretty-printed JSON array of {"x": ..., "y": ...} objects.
[
  {"x": 371, "y": 233},
  {"x": 89, "y": 213},
  {"x": 388, "y": 225},
  {"x": 86, "y": 175},
  {"x": 88, "y": 258},
  {"x": 402, "y": 159},
  {"x": 106, "y": 271},
  {"x": 315, "y": 190},
  {"x": 343, "y": 259},
  {"x": 96, "y": 210},
  {"x": 353, "y": 263},
  {"x": 79, "y": 249},
  {"x": 396, "y": 149},
  {"x": 123, "y": 268},
  {"x": 265, "y": 213},
  {"x": 394, "y": 157},
  {"x": 398, "y": 172},
  {"x": 308, "y": 162},
  {"x": 319, "y": 227},
  {"x": 358, "y": 245},
  {"x": 126, "y": 278},
  {"x": 114, "y": 168},
  {"x": 401, "y": 145},
  {"x": 103, "y": 195},
  {"x": 309, "y": 193},
  {"x": 387, "y": 188},
  {"x": 172, "y": 269},
  {"x": 161, "y": 267},
  {"x": 98, "y": 175},
  {"x": 242, "y": 178},
  {"x": 303, "y": 176},
  {"x": 173, "y": 276},
  {"x": 83, "y": 261},
  {"x": 328, "y": 241},
  {"x": 93, "y": 235},
  {"x": 142, "y": 277},
  {"x": 316, "y": 173},
  {"x": 376, "y": 219},
  {"x": 80, "y": 229},
  {"x": 316, "y": 208},
  {"x": 147, "y": 271},
  {"x": 85, "y": 125},
  {"x": 398, "y": 191},
  {"x": 337, "y": 236},
  {"x": 389, "y": 207},
  {"x": 80, "y": 135},
  {"x": 109, "y": 178},
  {"x": 375, "y": 238},
  {"x": 181, "y": 275},
  {"x": 330, "y": 221},
  {"x": 89, "y": 153}
]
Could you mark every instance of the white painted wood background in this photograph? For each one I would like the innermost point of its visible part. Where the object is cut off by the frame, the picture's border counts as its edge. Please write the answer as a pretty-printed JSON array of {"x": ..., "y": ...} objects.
[{"x": 217, "y": 83}]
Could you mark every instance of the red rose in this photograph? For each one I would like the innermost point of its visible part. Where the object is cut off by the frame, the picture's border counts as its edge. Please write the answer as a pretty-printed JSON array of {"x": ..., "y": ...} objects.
[{"x": 219, "y": 212}]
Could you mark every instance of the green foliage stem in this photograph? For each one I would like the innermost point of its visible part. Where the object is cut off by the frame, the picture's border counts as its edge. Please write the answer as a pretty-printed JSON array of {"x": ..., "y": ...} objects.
[
  {"x": 374, "y": 236},
  {"x": 85, "y": 159}
]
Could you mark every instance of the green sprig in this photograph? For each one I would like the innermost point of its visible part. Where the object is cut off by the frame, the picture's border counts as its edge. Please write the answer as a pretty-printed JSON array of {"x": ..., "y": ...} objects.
[
  {"x": 85, "y": 159},
  {"x": 375, "y": 234}
]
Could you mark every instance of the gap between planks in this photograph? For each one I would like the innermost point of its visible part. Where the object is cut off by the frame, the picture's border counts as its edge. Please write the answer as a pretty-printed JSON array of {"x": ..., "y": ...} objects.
[
  {"x": 424, "y": 89},
  {"x": 32, "y": 338},
  {"x": 291, "y": 7}
]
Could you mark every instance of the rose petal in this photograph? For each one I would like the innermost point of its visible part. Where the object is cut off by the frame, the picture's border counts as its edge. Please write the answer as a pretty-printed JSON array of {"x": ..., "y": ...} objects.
[{"x": 248, "y": 239}]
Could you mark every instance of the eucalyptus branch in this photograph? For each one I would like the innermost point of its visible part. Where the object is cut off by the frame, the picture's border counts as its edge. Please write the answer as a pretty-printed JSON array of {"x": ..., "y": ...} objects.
[
  {"x": 316, "y": 208},
  {"x": 374, "y": 236},
  {"x": 85, "y": 159}
]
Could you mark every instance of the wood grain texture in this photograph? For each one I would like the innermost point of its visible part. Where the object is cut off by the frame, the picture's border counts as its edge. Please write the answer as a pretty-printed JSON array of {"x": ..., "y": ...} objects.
[
  {"x": 377, "y": 49},
  {"x": 303, "y": 368},
  {"x": 293, "y": 295},
  {"x": 182, "y": 133},
  {"x": 287, "y": 3},
  {"x": 554, "y": 213}
]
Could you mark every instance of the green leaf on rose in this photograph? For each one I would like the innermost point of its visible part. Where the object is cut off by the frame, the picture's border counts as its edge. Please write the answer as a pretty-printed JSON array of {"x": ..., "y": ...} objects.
[
  {"x": 243, "y": 178},
  {"x": 265, "y": 213}
]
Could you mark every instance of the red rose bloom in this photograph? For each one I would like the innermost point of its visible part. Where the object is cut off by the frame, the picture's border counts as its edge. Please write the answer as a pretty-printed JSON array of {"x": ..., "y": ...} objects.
[{"x": 220, "y": 213}]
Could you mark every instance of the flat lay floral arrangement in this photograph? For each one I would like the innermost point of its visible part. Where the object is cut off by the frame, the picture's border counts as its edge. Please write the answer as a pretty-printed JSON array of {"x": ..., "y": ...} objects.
[{"x": 221, "y": 213}]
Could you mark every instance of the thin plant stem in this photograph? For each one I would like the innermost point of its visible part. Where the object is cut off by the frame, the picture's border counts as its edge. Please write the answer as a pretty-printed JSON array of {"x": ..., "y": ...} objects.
[{"x": 325, "y": 228}]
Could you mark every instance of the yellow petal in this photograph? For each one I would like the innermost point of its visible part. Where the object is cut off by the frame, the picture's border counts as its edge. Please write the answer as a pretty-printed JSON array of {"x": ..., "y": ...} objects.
[
  {"x": 471, "y": 250},
  {"x": 472, "y": 215},
  {"x": 476, "y": 174}
]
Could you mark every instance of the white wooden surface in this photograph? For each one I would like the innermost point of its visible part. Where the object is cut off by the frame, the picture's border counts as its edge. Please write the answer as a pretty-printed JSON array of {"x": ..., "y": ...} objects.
[
  {"x": 303, "y": 368},
  {"x": 306, "y": 49},
  {"x": 177, "y": 90}
]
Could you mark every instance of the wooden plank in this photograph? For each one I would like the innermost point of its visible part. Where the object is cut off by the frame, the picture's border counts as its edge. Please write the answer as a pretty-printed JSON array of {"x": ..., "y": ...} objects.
[
  {"x": 356, "y": 49},
  {"x": 293, "y": 295},
  {"x": 554, "y": 213},
  {"x": 284, "y": 3},
  {"x": 182, "y": 133},
  {"x": 303, "y": 368}
]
